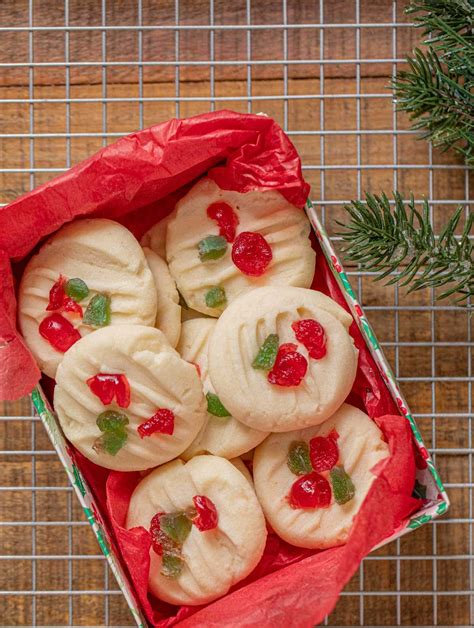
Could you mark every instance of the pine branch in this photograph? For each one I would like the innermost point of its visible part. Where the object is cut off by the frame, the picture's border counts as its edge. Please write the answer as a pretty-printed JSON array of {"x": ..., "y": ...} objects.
[
  {"x": 381, "y": 238},
  {"x": 438, "y": 88}
]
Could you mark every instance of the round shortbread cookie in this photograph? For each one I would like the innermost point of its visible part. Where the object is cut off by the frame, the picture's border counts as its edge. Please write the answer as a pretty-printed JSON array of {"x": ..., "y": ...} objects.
[
  {"x": 155, "y": 238},
  {"x": 216, "y": 559},
  {"x": 168, "y": 315},
  {"x": 246, "y": 391},
  {"x": 107, "y": 257},
  {"x": 361, "y": 446},
  {"x": 285, "y": 228},
  {"x": 221, "y": 436},
  {"x": 158, "y": 379}
]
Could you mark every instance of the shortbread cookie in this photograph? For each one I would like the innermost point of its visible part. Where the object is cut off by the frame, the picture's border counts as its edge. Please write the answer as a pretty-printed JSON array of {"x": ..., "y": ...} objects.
[
  {"x": 311, "y": 483},
  {"x": 168, "y": 315},
  {"x": 221, "y": 243},
  {"x": 155, "y": 238},
  {"x": 127, "y": 400},
  {"x": 91, "y": 273},
  {"x": 282, "y": 358},
  {"x": 208, "y": 530},
  {"x": 221, "y": 435},
  {"x": 240, "y": 465}
]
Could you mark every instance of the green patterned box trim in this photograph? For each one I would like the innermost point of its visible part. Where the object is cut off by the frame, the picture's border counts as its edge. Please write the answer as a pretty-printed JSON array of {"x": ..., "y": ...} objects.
[
  {"x": 428, "y": 479},
  {"x": 86, "y": 500}
]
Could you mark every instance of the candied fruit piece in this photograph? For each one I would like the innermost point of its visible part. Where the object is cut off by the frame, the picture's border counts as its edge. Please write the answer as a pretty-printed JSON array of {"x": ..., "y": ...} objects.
[
  {"x": 342, "y": 485},
  {"x": 162, "y": 422},
  {"x": 310, "y": 491},
  {"x": 324, "y": 452},
  {"x": 108, "y": 386},
  {"x": 76, "y": 289},
  {"x": 171, "y": 565},
  {"x": 160, "y": 541},
  {"x": 56, "y": 295},
  {"x": 176, "y": 525},
  {"x": 226, "y": 219},
  {"x": 212, "y": 247},
  {"x": 290, "y": 366},
  {"x": 298, "y": 458},
  {"x": 215, "y": 406},
  {"x": 110, "y": 442},
  {"x": 60, "y": 301},
  {"x": 97, "y": 313},
  {"x": 267, "y": 353},
  {"x": 113, "y": 425},
  {"x": 111, "y": 421},
  {"x": 251, "y": 253},
  {"x": 311, "y": 335},
  {"x": 206, "y": 517},
  {"x": 215, "y": 297},
  {"x": 59, "y": 332}
]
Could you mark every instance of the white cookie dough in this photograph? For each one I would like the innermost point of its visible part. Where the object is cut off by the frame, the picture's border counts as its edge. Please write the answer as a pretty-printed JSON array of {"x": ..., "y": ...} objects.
[
  {"x": 108, "y": 258},
  {"x": 215, "y": 559},
  {"x": 155, "y": 238},
  {"x": 158, "y": 379},
  {"x": 168, "y": 315},
  {"x": 247, "y": 393},
  {"x": 285, "y": 227},
  {"x": 361, "y": 447},
  {"x": 221, "y": 436}
]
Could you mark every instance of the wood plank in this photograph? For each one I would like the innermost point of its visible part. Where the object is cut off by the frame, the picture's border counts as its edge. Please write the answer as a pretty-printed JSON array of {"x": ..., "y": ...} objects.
[{"x": 266, "y": 44}]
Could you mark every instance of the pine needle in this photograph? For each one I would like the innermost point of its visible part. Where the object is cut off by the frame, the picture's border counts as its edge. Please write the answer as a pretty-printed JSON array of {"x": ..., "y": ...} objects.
[
  {"x": 400, "y": 241},
  {"x": 437, "y": 90}
]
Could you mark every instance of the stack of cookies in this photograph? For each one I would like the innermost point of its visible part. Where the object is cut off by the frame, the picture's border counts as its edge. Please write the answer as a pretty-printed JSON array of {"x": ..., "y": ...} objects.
[{"x": 202, "y": 354}]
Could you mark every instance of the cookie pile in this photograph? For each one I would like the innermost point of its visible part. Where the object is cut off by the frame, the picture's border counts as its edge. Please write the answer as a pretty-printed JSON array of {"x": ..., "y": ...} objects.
[{"x": 197, "y": 348}]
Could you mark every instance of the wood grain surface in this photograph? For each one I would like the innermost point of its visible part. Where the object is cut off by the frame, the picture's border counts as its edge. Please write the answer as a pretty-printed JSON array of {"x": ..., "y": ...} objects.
[{"x": 430, "y": 348}]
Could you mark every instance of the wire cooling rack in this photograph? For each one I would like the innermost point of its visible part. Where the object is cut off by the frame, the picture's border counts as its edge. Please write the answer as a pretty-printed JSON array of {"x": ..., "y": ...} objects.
[{"x": 75, "y": 75}]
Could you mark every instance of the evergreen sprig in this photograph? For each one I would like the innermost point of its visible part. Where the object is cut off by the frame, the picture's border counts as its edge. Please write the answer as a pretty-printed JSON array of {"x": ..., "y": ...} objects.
[
  {"x": 400, "y": 240},
  {"x": 438, "y": 88}
]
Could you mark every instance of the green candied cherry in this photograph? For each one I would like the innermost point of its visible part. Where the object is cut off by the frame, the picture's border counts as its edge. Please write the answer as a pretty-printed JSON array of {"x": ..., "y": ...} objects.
[
  {"x": 111, "y": 421},
  {"x": 266, "y": 356},
  {"x": 212, "y": 247},
  {"x": 342, "y": 485},
  {"x": 97, "y": 313},
  {"x": 76, "y": 289},
  {"x": 298, "y": 459},
  {"x": 215, "y": 406},
  {"x": 113, "y": 425},
  {"x": 177, "y": 526},
  {"x": 171, "y": 565},
  {"x": 215, "y": 297}
]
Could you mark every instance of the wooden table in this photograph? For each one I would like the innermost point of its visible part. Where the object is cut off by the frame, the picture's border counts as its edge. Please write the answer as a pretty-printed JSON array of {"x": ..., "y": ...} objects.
[{"x": 66, "y": 93}]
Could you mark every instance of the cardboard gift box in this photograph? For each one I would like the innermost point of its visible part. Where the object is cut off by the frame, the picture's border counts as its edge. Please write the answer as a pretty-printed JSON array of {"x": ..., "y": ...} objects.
[{"x": 137, "y": 181}]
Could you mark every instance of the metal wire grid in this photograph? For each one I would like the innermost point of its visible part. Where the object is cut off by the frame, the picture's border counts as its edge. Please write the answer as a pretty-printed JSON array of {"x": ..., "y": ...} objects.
[{"x": 70, "y": 589}]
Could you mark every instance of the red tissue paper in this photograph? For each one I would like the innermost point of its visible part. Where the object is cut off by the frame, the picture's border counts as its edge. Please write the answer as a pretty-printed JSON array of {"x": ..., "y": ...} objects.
[{"x": 137, "y": 181}]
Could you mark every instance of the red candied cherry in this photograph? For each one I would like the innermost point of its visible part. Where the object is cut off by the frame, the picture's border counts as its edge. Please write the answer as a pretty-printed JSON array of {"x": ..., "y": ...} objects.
[
  {"x": 323, "y": 452},
  {"x": 227, "y": 220},
  {"x": 206, "y": 513},
  {"x": 290, "y": 366},
  {"x": 251, "y": 253},
  {"x": 162, "y": 422},
  {"x": 58, "y": 299},
  {"x": 108, "y": 386},
  {"x": 59, "y": 332},
  {"x": 56, "y": 295},
  {"x": 311, "y": 335},
  {"x": 310, "y": 491}
]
